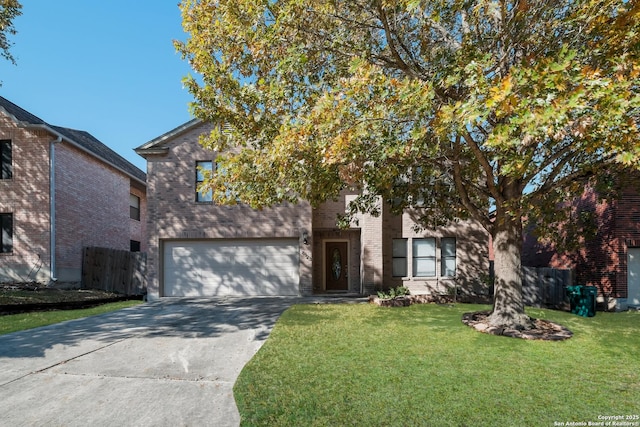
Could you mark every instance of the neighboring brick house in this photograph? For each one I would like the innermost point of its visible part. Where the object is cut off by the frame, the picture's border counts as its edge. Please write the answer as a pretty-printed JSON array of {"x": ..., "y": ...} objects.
[
  {"x": 608, "y": 256},
  {"x": 197, "y": 248},
  {"x": 61, "y": 190}
]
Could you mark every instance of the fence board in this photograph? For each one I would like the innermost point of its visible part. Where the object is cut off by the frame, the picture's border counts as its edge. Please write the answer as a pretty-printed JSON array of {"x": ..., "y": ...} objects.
[
  {"x": 545, "y": 286},
  {"x": 114, "y": 270}
]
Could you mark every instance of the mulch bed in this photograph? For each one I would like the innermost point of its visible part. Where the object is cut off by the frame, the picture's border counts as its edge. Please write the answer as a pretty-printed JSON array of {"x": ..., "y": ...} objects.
[
  {"x": 29, "y": 297},
  {"x": 542, "y": 330},
  {"x": 408, "y": 300}
]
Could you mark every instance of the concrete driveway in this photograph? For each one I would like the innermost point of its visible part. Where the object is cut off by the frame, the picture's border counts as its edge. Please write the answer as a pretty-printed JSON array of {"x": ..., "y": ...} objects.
[{"x": 166, "y": 363}]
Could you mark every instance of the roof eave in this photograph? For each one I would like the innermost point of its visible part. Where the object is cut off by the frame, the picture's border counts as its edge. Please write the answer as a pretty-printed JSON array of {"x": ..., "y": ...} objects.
[{"x": 154, "y": 144}]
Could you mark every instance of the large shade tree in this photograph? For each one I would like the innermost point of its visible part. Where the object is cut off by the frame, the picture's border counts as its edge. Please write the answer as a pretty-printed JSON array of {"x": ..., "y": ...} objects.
[{"x": 486, "y": 110}]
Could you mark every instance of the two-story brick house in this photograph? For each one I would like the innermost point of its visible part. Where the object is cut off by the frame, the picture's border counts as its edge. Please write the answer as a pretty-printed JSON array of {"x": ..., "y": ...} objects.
[
  {"x": 61, "y": 190},
  {"x": 197, "y": 248}
]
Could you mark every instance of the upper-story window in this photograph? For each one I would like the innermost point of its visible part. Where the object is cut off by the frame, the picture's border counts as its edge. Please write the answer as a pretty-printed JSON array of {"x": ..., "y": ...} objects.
[
  {"x": 6, "y": 233},
  {"x": 134, "y": 207},
  {"x": 6, "y": 169},
  {"x": 203, "y": 169}
]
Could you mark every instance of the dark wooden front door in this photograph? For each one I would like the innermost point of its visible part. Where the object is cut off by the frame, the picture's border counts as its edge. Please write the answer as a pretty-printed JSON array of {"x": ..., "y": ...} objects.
[{"x": 336, "y": 266}]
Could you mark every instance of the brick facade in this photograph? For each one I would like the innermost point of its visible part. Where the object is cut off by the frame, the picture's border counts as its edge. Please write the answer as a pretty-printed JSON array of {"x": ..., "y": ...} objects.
[
  {"x": 371, "y": 242},
  {"x": 601, "y": 259},
  {"x": 91, "y": 202},
  {"x": 472, "y": 257},
  {"x": 89, "y": 189},
  {"x": 26, "y": 196},
  {"x": 174, "y": 214}
]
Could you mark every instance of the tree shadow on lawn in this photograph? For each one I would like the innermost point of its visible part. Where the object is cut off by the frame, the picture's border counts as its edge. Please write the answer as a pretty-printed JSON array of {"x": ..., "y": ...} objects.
[
  {"x": 188, "y": 318},
  {"x": 616, "y": 333},
  {"x": 437, "y": 317}
]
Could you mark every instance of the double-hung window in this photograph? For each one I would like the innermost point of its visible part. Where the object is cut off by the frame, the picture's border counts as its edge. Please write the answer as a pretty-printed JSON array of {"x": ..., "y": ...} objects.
[
  {"x": 399, "y": 268},
  {"x": 424, "y": 257},
  {"x": 6, "y": 169},
  {"x": 448, "y": 256},
  {"x": 6, "y": 233},
  {"x": 134, "y": 207},
  {"x": 203, "y": 169}
]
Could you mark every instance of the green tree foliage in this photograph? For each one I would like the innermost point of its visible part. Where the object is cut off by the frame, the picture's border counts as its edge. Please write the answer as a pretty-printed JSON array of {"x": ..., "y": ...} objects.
[
  {"x": 461, "y": 107},
  {"x": 9, "y": 10}
]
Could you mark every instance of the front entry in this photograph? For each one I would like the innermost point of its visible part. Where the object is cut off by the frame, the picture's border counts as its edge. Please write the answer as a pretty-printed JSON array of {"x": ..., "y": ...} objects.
[{"x": 336, "y": 266}]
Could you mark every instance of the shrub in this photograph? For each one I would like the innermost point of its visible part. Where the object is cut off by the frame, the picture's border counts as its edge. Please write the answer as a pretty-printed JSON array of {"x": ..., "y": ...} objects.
[{"x": 393, "y": 293}]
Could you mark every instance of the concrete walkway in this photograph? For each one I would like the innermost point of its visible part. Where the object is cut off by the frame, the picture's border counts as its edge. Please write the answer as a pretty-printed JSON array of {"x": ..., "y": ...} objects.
[{"x": 166, "y": 363}]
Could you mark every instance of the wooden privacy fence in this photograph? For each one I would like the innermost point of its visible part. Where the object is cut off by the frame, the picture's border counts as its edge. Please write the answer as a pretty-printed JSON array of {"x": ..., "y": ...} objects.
[
  {"x": 545, "y": 286},
  {"x": 114, "y": 270}
]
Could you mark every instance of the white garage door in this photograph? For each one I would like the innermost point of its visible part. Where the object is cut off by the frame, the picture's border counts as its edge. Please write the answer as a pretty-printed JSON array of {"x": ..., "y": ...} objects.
[{"x": 230, "y": 267}]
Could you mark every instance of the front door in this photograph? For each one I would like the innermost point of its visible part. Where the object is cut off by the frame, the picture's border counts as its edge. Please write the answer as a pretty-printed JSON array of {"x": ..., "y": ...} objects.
[
  {"x": 336, "y": 266},
  {"x": 633, "y": 277}
]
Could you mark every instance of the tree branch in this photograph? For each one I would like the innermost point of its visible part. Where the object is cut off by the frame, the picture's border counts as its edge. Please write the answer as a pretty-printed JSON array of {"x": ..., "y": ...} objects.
[
  {"x": 391, "y": 43},
  {"x": 486, "y": 166},
  {"x": 462, "y": 191}
]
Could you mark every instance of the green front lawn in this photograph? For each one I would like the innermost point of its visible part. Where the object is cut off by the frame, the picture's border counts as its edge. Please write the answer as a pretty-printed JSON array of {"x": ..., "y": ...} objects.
[
  {"x": 363, "y": 365},
  {"x": 22, "y": 321}
]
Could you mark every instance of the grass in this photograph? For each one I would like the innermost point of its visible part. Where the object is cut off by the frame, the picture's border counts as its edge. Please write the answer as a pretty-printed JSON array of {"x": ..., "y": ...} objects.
[
  {"x": 18, "y": 322},
  {"x": 327, "y": 365}
]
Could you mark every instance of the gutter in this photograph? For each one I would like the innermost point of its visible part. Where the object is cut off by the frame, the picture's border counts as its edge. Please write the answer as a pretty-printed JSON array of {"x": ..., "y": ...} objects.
[{"x": 52, "y": 208}]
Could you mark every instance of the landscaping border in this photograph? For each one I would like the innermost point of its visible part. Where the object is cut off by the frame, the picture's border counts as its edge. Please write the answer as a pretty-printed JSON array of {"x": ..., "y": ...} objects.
[{"x": 7, "y": 309}]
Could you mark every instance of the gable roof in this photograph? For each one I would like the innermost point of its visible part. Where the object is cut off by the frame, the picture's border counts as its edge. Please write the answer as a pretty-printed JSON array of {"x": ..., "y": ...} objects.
[
  {"x": 78, "y": 138},
  {"x": 156, "y": 145}
]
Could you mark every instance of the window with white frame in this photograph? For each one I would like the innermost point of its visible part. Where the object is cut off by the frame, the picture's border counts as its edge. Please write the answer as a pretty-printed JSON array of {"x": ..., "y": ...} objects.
[
  {"x": 203, "y": 169},
  {"x": 424, "y": 257},
  {"x": 399, "y": 253},
  {"x": 448, "y": 256}
]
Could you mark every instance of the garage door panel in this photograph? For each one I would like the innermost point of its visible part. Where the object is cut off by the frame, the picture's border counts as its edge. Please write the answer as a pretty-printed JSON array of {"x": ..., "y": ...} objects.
[{"x": 219, "y": 267}]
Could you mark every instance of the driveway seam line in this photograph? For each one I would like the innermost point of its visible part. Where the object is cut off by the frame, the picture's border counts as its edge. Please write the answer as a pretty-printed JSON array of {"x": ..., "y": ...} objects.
[{"x": 39, "y": 371}]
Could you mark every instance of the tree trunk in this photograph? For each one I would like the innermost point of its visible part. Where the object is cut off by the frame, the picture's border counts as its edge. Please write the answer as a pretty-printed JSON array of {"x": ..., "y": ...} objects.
[{"x": 508, "y": 304}]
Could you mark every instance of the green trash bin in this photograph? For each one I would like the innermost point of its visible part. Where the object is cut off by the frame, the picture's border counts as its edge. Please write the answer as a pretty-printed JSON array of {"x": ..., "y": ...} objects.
[
  {"x": 574, "y": 293},
  {"x": 582, "y": 300},
  {"x": 589, "y": 294}
]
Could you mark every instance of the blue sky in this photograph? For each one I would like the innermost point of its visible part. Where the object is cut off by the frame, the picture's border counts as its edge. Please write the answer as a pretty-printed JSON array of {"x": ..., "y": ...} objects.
[{"x": 106, "y": 67}]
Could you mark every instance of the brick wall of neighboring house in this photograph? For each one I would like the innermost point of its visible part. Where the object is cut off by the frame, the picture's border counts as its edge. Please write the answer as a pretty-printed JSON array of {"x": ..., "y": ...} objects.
[
  {"x": 628, "y": 227},
  {"x": 173, "y": 212},
  {"x": 601, "y": 257},
  {"x": 26, "y": 196},
  {"x": 92, "y": 209}
]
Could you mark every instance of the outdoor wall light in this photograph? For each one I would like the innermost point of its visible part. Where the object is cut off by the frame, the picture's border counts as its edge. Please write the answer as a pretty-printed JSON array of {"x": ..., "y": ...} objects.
[{"x": 305, "y": 238}]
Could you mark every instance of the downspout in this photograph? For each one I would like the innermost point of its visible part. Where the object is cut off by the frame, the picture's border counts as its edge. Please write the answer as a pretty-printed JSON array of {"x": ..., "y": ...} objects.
[{"x": 52, "y": 208}]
